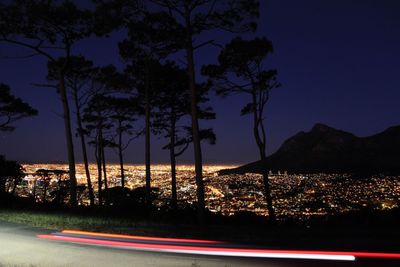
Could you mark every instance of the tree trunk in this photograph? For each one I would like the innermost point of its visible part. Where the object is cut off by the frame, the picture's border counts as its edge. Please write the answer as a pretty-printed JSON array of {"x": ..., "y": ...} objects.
[
  {"x": 69, "y": 141},
  {"x": 270, "y": 207},
  {"x": 3, "y": 185},
  {"x": 147, "y": 136},
  {"x": 84, "y": 151},
  {"x": 34, "y": 190},
  {"x": 8, "y": 187},
  {"x": 14, "y": 188},
  {"x": 58, "y": 196},
  {"x": 261, "y": 147},
  {"x": 103, "y": 159},
  {"x": 44, "y": 190},
  {"x": 195, "y": 124},
  {"x": 99, "y": 176},
  {"x": 173, "y": 163},
  {"x": 120, "y": 154}
]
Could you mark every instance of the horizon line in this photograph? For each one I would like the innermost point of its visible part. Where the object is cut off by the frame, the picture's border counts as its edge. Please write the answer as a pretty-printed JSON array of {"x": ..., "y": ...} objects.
[{"x": 117, "y": 163}]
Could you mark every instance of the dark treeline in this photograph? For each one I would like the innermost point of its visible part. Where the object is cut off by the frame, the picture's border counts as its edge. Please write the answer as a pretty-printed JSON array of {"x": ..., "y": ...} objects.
[
  {"x": 158, "y": 91},
  {"x": 12, "y": 109}
]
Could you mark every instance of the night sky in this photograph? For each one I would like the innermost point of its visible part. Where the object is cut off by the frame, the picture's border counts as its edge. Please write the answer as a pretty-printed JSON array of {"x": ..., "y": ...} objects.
[{"x": 338, "y": 62}]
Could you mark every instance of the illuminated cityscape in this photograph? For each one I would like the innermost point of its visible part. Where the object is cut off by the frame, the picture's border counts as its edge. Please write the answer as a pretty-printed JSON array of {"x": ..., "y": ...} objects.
[{"x": 295, "y": 196}]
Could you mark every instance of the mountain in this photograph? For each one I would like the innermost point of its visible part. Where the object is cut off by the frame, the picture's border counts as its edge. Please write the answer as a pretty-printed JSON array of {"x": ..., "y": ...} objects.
[{"x": 328, "y": 150}]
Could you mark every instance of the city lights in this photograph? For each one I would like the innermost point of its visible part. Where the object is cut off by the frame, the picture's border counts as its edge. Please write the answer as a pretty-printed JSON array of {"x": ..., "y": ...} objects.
[{"x": 295, "y": 196}]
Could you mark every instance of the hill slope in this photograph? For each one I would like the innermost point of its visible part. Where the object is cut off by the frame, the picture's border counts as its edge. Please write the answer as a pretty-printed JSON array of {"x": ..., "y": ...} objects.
[{"x": 328, "y": 150}]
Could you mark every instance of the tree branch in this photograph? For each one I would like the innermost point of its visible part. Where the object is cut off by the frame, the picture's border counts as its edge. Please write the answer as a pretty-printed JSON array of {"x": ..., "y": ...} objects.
[
  {"x": 182, "y": 150},
  {"x": 209, "y": 42},
  {"x": 35, "y": 48},
  {"x": 20, "y": 57},
  {"x": 44, "y": 85}
]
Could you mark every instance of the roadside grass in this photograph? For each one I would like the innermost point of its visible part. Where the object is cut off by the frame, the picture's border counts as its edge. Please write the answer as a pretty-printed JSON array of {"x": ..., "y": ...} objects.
[
  {"x": 90, "y": 221},
  {"x": 53, "y": 221},
  {"x": 62, "y": 220},
  {"x": 369, "y": 232},
  {"x": 58, "y": 220},
  {"x": 100, "y": 221}
]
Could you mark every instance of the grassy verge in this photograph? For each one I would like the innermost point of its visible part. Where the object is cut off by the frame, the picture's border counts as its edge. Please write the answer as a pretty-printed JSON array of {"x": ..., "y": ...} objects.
[
  {"x": 344, "y": 233},
  {"x": 57, "y": 221},
  {"x": 60, "y": 220}
]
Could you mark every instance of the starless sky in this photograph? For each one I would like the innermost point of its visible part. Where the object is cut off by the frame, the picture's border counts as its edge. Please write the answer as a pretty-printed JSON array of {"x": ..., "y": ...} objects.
[{"x": 338, "y": 62}]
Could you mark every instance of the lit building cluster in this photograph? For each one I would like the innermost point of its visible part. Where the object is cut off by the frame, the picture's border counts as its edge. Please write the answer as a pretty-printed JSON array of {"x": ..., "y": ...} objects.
[{"x": 297, "y": 196}]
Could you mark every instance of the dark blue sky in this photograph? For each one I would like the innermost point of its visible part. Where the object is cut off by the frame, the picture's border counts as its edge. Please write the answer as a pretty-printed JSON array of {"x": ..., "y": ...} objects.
[{"x": 338, "y": 62}]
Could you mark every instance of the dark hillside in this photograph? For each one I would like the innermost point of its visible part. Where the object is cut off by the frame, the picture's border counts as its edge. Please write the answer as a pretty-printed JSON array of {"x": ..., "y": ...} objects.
[{"x": 328, "y": 150}]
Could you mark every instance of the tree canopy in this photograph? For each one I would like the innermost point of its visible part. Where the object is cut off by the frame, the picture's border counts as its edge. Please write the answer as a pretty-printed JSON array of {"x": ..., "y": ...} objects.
[{"x": 12, "y": 109}]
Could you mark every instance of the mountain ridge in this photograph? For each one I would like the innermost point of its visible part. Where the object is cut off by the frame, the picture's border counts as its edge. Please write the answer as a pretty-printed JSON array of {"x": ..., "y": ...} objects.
[{"x": 324, "y": 149}]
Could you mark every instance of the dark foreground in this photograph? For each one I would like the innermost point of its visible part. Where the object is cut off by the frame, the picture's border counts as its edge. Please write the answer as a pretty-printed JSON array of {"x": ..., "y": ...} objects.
[{"x": 20, "y": 246}]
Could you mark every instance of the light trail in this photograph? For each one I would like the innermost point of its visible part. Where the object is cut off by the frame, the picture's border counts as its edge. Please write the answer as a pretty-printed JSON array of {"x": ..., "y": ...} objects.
[
  {"x": 205, "y": 247},
  {"x": 181, "y": 240},
  {"x": 232, "y": 252}
]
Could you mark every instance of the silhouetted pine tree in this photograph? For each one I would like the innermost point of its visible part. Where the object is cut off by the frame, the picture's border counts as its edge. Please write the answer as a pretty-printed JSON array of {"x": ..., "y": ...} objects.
[
  {"x": 96, "y": 119},
  {"x": 195, "y": 18},
  {"x": 150, "y": 38},
  {"x": 10, "y": 171},
  {"x": 12, "y": 109},
  {"x": 240, "y": 70},
  {"x": 124, "y": 112},
  {"x": 172, "y": 108},
  {"x": 79, "y": 80},
  {"x": 50, "y": 29}
]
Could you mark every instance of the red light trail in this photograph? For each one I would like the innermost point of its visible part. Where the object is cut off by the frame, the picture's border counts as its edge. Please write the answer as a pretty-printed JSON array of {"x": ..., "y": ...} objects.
[{"x": 205, "y": 247}]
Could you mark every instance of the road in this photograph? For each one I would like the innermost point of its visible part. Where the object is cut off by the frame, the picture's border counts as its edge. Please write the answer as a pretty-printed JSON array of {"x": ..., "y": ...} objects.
[{"x": 20, "y": 246}]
